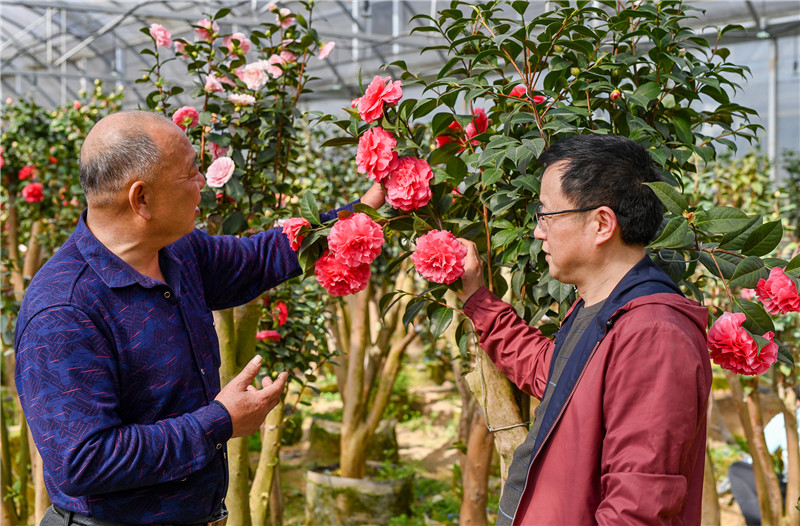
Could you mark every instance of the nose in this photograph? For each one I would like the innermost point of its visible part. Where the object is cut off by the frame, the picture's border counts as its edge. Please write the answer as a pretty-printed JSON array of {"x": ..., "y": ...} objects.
[
  {"x": 201, "y": 180},
  {"x": 538, "y": 232}
]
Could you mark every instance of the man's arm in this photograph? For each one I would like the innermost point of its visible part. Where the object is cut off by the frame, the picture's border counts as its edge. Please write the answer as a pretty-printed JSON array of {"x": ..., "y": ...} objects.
[
  {"x": 654, "y": 405},
  {"x": 68, "y": 379}
]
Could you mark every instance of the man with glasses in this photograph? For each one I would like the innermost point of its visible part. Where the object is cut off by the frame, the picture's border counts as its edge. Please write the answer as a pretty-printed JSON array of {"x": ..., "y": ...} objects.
[{"x": 619, "y": 434}]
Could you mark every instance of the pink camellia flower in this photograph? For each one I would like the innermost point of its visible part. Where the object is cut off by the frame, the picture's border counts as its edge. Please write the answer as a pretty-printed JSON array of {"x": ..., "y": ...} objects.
[
  {"x": 280, "y": 313},
  {"x": 207, "y": 31},
  {"x": 180, "y": 49},
  {"x": 273, "y": 65},
  {"x": 254, "y": 76},
  {"x": 216, "y": 151},
  {"x": 356, "y": 239},
  {"x": 269, "y": 335},
  {"x": 538, "y": 99},
  {"x": 778, "y": 293},
  {"x": 272, "y": 7},
  {"x": 408, "y": 187},
  {"x": 242, "y": 99},
  {"x": 455, "y": 129},
  {"x": 33, "y": 192},
  {"x": 161, "y": 35},
  {"x": 747, "y": 294},
  {"x": 291, "y": 228},
  {"x": 77, "y": 105},
  {"x": 731, "y": 346},
  {"x": 213, "y": 84},
  {"x": 354, "y": 102},
  {"x": 220, "y": 172},
  {"x": 439, "y": 257},
  {"x": 234, "y": 48},
  {"x": 478, "y": 125},
  {"x": 288, "y": 56},
  {"x": 185, "y": 117},
  {"x": 325, "y": 50},
  {"x": 283, "y": 18},
  {"x": 339, "y": 279},
  {"x": 27, "y": 172},
  {"x": 380, "y": 91},
  {"x": 518, "y": 91},
  {"x": 376, "y": 153}
]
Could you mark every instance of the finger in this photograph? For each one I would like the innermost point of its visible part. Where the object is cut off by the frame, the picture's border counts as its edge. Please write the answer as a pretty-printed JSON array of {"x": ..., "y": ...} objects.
[
  {"x": 249, "y": 372},
  {"x": 251, "y": 388},
  {"x": 274, "y": 387}
]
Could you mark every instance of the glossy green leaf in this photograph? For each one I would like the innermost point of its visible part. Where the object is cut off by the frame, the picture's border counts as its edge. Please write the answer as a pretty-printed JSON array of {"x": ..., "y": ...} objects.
[
  {"x": 793, "y": 268},
  {"x": 412, "y": 310},
  {"x": 748, "y": 272},
  {"x": 440, "y": 320},
  {"x": 763, "y": 239},
  {"x": 309, "y": 209},
  {"x": 722, "y": 219},
  {"x": 758, "y": 321},
  {"x": 673, "y": 200},
  {"x": 674, "y": 234}
]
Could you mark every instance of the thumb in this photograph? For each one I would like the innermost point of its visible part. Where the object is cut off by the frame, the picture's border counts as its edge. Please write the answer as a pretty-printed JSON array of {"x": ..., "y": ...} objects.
[{"x": 249, "y": 372}]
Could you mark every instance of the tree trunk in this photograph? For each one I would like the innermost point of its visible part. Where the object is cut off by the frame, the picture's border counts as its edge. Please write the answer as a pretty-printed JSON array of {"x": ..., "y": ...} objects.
[
  {"x": 268, "y": 462},
  {"x": 42, "y": 498},
  {"x": 791, "y": 513},
  {"x": 8, "y": 513},
  {"x": 276, "y": 498},
  {"x": 12, "y": 245},
  {"x": 33, "y": 257},
  {"x": 495, "y": 394},
  {"x": 711, "y": 512},
  {"x": 475, "y": 468}
]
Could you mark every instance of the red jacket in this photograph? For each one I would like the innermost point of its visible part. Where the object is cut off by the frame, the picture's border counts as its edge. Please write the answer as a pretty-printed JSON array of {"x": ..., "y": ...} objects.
[{"x": 629, "y": 445}]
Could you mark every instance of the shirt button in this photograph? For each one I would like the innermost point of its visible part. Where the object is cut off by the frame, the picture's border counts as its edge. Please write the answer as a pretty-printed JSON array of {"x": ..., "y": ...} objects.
[
  {"x": 167, "y": 294},
  {"x": 219, "y": 446}
]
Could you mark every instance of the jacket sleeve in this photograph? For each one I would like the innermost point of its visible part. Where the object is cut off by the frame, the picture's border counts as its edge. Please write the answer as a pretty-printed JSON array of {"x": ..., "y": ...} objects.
[
  {"x": 67, "y": 377},
  {"x": 519, "y": 351},
  {"x": 654, "y": 403}
]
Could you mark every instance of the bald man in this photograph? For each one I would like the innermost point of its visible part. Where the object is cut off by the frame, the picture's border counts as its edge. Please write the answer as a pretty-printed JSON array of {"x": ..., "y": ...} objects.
[{"x": 116, "y": 354}]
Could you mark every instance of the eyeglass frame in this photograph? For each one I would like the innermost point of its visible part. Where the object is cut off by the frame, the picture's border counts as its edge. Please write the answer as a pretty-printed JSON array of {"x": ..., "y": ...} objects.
[{"x": 538, "y": 214}]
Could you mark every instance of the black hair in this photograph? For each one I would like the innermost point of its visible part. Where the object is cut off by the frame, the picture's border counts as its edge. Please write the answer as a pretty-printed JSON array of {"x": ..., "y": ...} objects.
[{"x": 610, "y": 170}]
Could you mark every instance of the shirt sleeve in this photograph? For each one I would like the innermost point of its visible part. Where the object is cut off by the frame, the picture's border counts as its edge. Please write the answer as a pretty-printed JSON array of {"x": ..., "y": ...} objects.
[
  {"x": 519, "y": 351},
  {"x": 67, "y": 378},
  {"x": 237, "y": 270},
  {"x": 654, "y": 403}
]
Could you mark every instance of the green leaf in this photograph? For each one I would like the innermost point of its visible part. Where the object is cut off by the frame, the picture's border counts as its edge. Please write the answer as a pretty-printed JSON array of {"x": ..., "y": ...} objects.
[
  {"x": 758, "y": 321},
  {"x": 673, "y": 200},
  {"x": 722, "y": 219},
  {"x": 748, "y": 272},
  {"x": 412, "y": 310},
  {"x": 793, "y": 268},
  {"x": 674, "y": 234},
  {"x": 440, "y": 320},
  {"x": 309, "y": 209},
  {"x": 763, "y": 239},
  {"x": 233, "y": 223},
  {"x": 340, "y": 141},
  {"x": 645, "y": 94},
  {"x": 785, "y": 355}
]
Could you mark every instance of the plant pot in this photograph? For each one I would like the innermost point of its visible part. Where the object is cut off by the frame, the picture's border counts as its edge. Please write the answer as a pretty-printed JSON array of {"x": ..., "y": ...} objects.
[
  {"x": 339, "y": 501},
  {"x": 325, "y": 437}
]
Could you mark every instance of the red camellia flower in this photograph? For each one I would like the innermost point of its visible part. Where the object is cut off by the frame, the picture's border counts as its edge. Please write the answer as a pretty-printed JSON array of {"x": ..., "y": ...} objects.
[
  {"x": 732, "y": 347},
  {"x": 291, "y": 227},
  {"x": 280, "y": 313},
  {"x": 478, "y": 125},
  {"x": 778, "y": 293},
  {"x": 26, "y": 172},
  {"x": 518, "y": 91},
  {"x": 339, "y": 279},
  {"x": 33, "y": 192},
  {"x": 408, "y": 187},
  {"x": 455, "y": 129},
  {"x": 615, "y": 95},
  {"x": 376, "y": 153},
  {"x": 439, "y": 257},
  {"x": 380, "y": 91},
  {"x": 185, "y": 117},
  {"x": 270, "y": 336},
  {"x": 538, "y": 99},
  {"x": 356, "y": 239}
]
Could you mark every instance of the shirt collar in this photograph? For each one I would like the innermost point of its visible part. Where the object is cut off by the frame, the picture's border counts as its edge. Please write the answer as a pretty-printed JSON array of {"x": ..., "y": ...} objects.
[{"x": 111, "y": 269}]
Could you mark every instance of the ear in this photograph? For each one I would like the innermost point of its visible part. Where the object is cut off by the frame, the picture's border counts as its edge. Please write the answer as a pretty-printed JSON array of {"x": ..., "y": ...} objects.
[
  {"x": 139, "y": 200},
  {"x": 606, "y": 224}
]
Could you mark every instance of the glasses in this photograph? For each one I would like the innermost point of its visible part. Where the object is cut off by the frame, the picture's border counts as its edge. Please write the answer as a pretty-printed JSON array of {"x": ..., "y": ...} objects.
[{"x": 540, "y": 216}]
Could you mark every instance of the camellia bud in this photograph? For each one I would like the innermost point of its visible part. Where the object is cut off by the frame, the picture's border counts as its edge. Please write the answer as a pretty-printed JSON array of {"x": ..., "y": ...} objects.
[
  {"x": 615, "y": 95},
  {"x": 575, "y": 71}
]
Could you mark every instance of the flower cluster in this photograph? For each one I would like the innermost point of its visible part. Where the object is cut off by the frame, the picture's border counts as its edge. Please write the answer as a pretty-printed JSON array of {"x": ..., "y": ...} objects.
[
  {"x": 733, "y": 348},
  {"x": 439, "y": 257},
  {"x": 354, "y": 243}
]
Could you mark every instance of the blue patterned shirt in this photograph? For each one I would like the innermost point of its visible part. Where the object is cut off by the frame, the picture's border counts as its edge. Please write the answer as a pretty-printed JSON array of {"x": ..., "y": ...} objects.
[{"x": 117, "y": 372}]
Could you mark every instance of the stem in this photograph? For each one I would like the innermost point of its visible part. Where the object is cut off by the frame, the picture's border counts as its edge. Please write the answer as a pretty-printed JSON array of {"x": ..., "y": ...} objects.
[{"x": 488, "y": 247}]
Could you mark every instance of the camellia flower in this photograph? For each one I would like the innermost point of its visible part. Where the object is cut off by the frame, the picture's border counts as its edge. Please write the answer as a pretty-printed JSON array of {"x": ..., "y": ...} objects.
[
  {"x": 26, "y": 172},
  {"x": 747, "y": 294},
  {"x": 326, "y": 50},
  {"x": 269, "y": 335},
  {"x": 242, "y": 99},
  {"x": 291, "y": 228},
  {"x": 185, "y": 117},
  {"x": 731, "y": 346},
  {"x": 380, "y": 91},
  {"x": 234, "y": 49},
  {"x": 33, "y": 192},
  {"x": 161, "y": 35},
  {"x": 216, "y": 151},
  {"x": 77, "y": 105},
  {"x": 213, "y": 84},
  {"x": 280, "y": 313},
  {"x": 778, "y": 293},
  {"x": 376, "y": 153},
  {"x": 219, "y": 172},
  {"x": 273, "y": 65},
  {"x": 339, "y": 279},
  {"x": 518, "y": 91},
  {"x": 254, "y": 76},
  {"x": 288, "y": 56},
  {"x": 538, "y": 99},
  {"x": 455, "y": 129},
  {"x": 408, "y": 187},
  {"x": 207, "y": 31},
  {"x": 478, "y": 125},
  {"x": 283, "y": 18},
  {"x": 439, "y": 257},
  {"x": 180, "y": 49},
  {"x": 356, "y": 239}
]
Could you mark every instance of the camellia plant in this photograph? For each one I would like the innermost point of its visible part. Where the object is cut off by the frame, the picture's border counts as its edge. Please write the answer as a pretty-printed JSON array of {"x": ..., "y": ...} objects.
[{"x": 511, "y": 85}]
